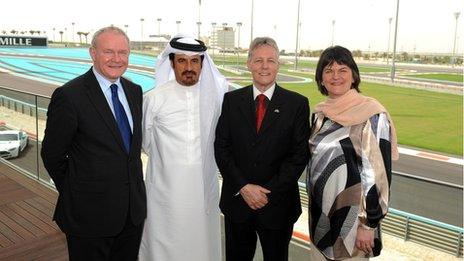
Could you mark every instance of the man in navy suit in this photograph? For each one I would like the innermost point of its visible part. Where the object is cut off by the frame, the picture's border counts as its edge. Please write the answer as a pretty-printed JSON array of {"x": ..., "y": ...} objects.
[
  {"x": 261, "y": 149},
  {"x": 91, "y": 150}
]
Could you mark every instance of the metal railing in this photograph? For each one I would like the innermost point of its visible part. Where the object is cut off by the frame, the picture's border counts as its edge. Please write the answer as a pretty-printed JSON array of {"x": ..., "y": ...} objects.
[
  {"x": 20, "y": 106},
  {"x": 431, "y": 233},
  {"x": 31, "y": 108},
  {"x": 410, "y": 227},
  {"x": 411, "y": 83}
]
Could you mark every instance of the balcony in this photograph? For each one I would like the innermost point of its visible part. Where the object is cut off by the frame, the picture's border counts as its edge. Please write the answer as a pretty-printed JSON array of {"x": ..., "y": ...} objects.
[
  {"x": 27, "y": 201},
  {"x": 27, "y": 231}
]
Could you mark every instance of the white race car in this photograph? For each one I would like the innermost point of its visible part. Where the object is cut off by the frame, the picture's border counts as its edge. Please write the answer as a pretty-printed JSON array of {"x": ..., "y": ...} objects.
[{"x": 12, "y": 143}]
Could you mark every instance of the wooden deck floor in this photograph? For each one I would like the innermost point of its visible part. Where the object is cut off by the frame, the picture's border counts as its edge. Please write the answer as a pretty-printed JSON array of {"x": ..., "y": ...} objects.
[{"x": 27, "y": 231}]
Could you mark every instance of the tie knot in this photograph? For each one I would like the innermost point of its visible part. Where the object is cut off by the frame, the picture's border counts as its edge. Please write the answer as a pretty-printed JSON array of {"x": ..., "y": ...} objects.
[
  {"x": 114, "y": 88},
  {"x": 261, "y": 98}
]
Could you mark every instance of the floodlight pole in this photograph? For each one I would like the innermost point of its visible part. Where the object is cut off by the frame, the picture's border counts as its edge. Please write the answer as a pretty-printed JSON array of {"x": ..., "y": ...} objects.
[
  {"x": 158, "y": 42},
  {"x": 141, "y": 33},
  {"x": 389, "y": 34},
  {"x": 333, "y": 32},
  {"x": 199, "y": 25},
  {"x": 239, "y": 24},
  {"x": 213, "y": 35},
  {"x": 199, "y": 18},
  {"x": 295, "y": 67},
  {"x": 159, "y": 26},
  {"x": 392, "y": 75},
  {"x": 178, "y": 25},
  {"x": 224, "y": 25},
  {"x": 456, "y": 15},
  {"x": 73, "y": 32},
  {"x": 251, "y": 23}
]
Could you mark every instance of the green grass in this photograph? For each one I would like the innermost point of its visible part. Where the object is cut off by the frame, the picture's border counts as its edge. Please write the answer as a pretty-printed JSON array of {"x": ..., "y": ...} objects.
[
  {"x": 300, "y": 74},
  {"x": 439, "y": 76},
  {"x": 371, "y": 69},
  {"x": 423, "y": 119},
  {"x": 228, "y": 74},
  {"x": 302, "y": 65}
]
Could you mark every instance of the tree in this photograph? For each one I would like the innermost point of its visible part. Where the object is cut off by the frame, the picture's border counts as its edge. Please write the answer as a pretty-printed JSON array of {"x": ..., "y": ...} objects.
[
  {"x": 404, "y": 56},
  {"x": 357, "y": 53},
  {"x": 13, "y": 31},
  {"x": 316, "y": 53},
  {"x": 31, "y": 32},
  {"x": 85, "y": 34},
  {"x": 80, "y": 36},
  {"x": 61, "y": 36}
]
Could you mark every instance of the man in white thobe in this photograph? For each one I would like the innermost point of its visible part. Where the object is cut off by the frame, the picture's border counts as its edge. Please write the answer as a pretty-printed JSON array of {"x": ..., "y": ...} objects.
[{"x": 179, "y": 119}]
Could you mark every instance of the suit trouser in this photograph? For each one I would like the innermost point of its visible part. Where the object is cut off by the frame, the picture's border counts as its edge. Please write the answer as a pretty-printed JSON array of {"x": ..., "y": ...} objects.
[
  {"x": 124, "y": 246},
  {"x": 241, "y": 241}
]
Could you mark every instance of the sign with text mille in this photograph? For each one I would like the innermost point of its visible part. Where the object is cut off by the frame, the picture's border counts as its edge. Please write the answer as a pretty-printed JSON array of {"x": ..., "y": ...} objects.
[{"x": 22, "y": 41}]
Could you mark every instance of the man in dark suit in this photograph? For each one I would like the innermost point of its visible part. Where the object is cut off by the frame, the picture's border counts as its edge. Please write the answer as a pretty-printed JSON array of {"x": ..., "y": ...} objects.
[
  {"x": 261, "y": 149},
  {"x": 91, "y": 149}
]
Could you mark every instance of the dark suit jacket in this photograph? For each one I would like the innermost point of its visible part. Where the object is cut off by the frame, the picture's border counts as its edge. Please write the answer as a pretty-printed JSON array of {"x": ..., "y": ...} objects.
[
  {"x": 99, "y": 184},
  {"x": 273, "y": 158}
]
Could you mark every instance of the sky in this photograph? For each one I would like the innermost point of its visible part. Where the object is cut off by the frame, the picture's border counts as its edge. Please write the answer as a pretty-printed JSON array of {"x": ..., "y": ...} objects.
[{"x": 423, "y": 26}]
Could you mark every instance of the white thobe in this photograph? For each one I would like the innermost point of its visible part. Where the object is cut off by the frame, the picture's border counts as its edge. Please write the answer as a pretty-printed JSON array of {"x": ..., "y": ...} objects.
[{"x": 179, "y": 225}]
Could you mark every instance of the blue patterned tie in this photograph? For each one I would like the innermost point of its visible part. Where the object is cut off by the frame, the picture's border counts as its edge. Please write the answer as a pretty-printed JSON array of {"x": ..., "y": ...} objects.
[{"x": 121, "y": 118}]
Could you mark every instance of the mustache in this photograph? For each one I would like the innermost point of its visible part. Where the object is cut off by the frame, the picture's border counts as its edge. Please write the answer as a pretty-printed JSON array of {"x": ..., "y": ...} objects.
[{"x": 189, "y": 73}]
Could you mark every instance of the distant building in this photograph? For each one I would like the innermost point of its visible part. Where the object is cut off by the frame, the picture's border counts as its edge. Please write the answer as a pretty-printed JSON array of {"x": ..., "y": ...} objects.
[
  {"x": 223, "y": 38},
  {"x": 156, "y": 43},
  {"x": 160, "y": 41}
]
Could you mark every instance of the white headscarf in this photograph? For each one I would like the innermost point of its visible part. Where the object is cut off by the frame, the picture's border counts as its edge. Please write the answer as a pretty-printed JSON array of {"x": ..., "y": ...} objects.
[
  {"x": 213, "y": 86},
  {"x": 209, "y": 73}
]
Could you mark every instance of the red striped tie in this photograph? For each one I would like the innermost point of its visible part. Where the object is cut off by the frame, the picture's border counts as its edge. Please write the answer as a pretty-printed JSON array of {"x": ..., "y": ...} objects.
[{"x": 260, "y": 111}]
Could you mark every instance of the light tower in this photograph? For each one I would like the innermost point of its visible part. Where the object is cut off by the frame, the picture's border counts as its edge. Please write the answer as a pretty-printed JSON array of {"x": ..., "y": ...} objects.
[{"x": 456, "y": 15}]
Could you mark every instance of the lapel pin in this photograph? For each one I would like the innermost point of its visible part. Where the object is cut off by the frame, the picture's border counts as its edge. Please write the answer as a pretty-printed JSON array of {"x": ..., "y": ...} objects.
[{"x": 276, "y": 111}]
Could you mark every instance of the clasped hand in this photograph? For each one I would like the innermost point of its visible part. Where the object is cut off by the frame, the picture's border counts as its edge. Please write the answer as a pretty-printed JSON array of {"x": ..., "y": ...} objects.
[
  {"x": 365, "y": 240},
  {"x": 255, "y": 196}
]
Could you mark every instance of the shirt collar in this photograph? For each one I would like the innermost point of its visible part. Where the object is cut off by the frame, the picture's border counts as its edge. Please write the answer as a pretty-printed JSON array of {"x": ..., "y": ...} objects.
[
  {"x": 269, "y": 92},
  {"x": 103, "y": 82}
]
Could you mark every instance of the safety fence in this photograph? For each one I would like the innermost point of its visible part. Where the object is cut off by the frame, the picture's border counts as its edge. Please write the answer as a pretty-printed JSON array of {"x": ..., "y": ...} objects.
[{"x": 408, "y": 226}]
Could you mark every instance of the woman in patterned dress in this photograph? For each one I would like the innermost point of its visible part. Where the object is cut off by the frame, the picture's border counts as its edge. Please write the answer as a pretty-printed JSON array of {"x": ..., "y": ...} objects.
[{"x": 352, "y": 143}]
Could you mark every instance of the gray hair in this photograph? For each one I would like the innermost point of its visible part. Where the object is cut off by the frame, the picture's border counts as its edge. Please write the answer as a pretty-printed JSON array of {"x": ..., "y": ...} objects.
[
  {"x": 261, "y": 41},
  {"x": 110, "y": 28}
]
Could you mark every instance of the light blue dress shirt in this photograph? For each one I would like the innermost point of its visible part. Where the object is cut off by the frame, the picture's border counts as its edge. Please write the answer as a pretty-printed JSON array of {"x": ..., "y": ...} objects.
[{"x": 105, "y": 87}]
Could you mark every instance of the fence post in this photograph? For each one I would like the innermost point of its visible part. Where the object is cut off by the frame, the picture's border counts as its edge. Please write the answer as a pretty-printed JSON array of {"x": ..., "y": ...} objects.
[
  {"x": 458, "y": 248},
  {"x": 406, "y": 230}
]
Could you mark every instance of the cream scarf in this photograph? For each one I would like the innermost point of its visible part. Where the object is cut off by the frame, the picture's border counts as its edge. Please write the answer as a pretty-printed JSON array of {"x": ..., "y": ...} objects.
[{"x": 353, "y": 108}]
